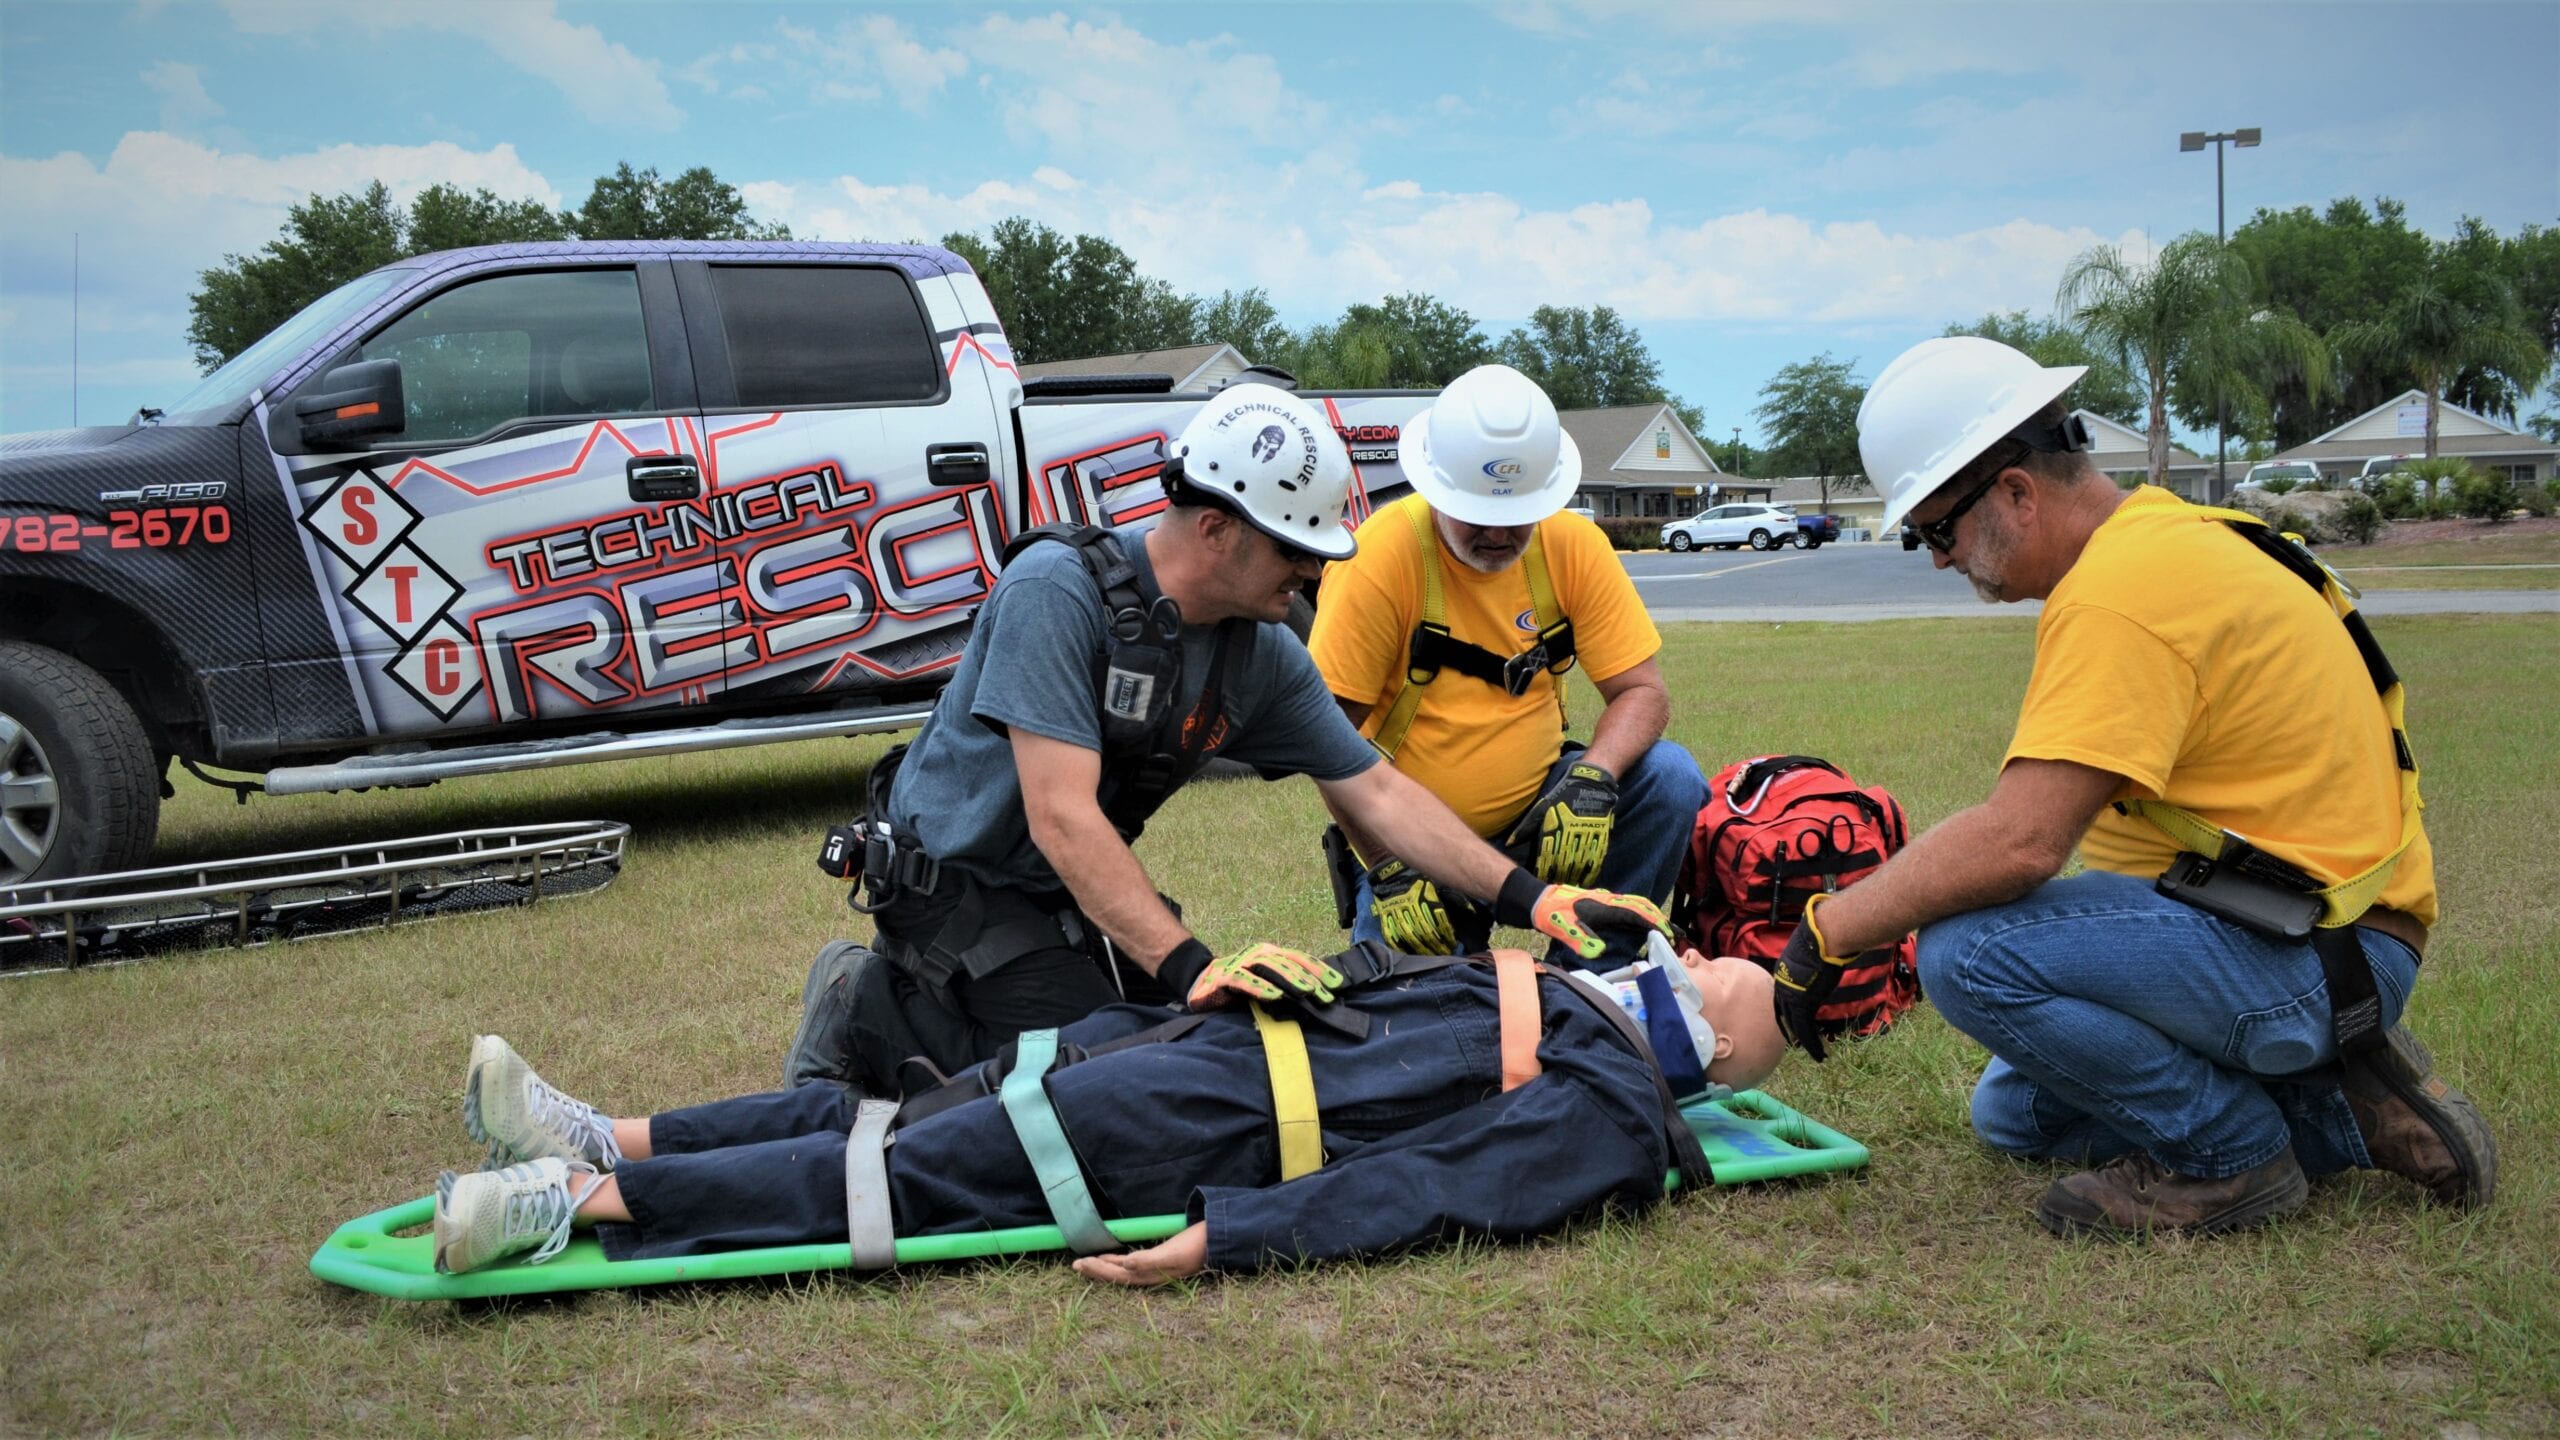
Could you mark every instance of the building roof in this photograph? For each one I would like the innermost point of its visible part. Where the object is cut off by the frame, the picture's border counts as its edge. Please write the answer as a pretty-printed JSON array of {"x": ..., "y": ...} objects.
[
  {"x": 2118, "y": 446},
  {"x": 2379, "y": 431},
  {"x": 1182, "y": 362},
  {"x": 1610, "y": 435}
]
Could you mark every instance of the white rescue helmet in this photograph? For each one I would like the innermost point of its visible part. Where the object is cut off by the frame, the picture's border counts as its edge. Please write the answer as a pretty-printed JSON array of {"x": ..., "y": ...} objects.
[
  {"x": 1271, "y": 458},
  {"x": 1490, "y": 450},
  {"x": 1939, "y": 406}
]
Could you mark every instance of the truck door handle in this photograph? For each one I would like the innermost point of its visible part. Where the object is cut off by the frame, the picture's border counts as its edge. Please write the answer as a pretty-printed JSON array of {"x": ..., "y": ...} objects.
[
  {"x": 656, "y": 479},
  {"x": 959, "y": 463}
]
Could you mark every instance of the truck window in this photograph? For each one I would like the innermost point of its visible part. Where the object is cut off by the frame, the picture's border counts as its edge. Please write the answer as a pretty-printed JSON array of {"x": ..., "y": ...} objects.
[
  {"x": 831, "y": 335},
  {"x": 494, "y": 351}
]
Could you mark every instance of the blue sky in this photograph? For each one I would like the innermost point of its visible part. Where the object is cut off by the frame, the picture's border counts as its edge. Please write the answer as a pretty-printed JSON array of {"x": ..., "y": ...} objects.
[{"x": 1752, "y": 183}]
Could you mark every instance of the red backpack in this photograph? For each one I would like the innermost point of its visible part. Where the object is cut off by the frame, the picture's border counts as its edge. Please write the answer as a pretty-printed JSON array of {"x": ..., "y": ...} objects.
[{"x": 1775, "y": 831}]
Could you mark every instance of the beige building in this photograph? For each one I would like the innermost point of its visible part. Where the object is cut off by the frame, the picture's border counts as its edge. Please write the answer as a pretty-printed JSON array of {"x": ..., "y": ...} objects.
[
  {"x": 2125, "y": 453},
  {"x": 1193, "y": 367},
  {"x": 1640, "y": 460},
  {"x": 2399, "y": 427}
]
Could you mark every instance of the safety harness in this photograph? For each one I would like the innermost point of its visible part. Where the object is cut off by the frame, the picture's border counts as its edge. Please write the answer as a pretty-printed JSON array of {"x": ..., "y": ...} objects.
[
  {"x": 1020, "y": 1071},
  {"x": 1432, "y": 648},
  {"x": 2355, "y": 1010}
]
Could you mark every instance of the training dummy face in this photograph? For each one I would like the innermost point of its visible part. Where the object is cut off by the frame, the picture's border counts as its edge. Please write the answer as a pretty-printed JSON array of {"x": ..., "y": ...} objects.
[
  {"x": 1738, "y": 999},
  {"x": 1712, "y": 1023}
]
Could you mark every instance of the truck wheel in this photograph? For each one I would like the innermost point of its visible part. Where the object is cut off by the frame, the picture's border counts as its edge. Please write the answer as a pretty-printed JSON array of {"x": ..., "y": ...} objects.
[
  {"x": 1681, "y": 542},
  {"x": 1809, "y": 542},
  {"x": 1797, "y": 540},
  {"x": 1760, "y": 540},
  {"x": 78, "y": 792}
]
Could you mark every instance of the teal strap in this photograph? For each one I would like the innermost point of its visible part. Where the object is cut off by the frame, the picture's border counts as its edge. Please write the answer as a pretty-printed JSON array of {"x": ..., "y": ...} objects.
[
  {"x": 1044, "y": 1141},
  {"x": 866, "y": 1186}
]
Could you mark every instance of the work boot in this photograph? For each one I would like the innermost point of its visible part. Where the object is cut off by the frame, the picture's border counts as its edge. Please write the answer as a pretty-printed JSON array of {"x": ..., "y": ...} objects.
[
  {"x": 520, "y": 1117},
  {"x": 2134, "y": 1195},
  {"x": 484, "y": 1217},
  {"x": 2417, "y": 1126}
]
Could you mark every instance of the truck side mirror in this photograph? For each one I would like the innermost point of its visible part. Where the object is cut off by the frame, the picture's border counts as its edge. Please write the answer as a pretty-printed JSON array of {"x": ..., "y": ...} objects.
[{"x": 361, "y": 399}]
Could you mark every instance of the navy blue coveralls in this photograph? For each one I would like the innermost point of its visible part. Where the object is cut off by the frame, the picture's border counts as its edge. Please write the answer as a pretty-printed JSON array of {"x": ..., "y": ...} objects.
[{"x": 1421, "y": 1141}]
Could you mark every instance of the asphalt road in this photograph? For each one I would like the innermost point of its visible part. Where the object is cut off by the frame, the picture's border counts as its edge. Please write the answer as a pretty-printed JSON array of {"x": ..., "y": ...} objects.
[{"x": 1885, "y": 582}]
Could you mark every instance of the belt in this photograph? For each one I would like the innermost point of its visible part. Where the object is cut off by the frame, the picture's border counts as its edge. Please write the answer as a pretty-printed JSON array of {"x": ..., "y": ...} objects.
[{"x": 2400, "y": 925}]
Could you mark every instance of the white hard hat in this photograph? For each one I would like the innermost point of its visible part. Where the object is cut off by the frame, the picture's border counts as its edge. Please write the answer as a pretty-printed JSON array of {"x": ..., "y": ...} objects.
[
  {"x": 1271, "y": 458},
  {"x": 1490, "y": 451},
  {"x": 1942, "y": 403}
]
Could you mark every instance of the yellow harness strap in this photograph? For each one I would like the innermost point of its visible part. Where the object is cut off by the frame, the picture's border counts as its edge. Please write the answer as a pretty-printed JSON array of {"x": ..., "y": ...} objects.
[
  {"x": 2351, "y": 897},
  {"x": 1293, "y": 1094},
  {"x": 1515, "y": 978},
  {"x": 1435, "y": 612}
]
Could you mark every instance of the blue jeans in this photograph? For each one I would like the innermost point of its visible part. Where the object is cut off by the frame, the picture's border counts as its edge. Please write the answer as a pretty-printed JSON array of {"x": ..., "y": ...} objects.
[
  {"x": 2119, "y": 1019},
  {"x": 1658, "y": 801}
]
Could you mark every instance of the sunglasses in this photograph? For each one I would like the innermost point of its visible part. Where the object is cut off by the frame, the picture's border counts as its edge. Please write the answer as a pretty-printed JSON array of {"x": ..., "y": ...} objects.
[
  {"x": 1940, "y": 534},
  {"x": 1288, "y": 553}
]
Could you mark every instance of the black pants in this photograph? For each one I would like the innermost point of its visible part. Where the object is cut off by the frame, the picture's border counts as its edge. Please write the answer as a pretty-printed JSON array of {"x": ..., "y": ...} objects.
[{"x": 867, "y": 1014}]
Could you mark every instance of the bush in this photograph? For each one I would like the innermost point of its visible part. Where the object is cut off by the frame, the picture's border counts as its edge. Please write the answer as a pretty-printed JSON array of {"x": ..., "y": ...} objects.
[
  {"x": 2280, "y": 485},
  {"x": 2536, "y": 498},
  {"x": 2439, "y": 480},
  {"x": 2359, "y": 521},
  {"x": 1629, "y": 532},
  {"x": 2397, "y": 497},
  {"x": 2285, "y": 520},
  {"x": 2485, "y": 496}
]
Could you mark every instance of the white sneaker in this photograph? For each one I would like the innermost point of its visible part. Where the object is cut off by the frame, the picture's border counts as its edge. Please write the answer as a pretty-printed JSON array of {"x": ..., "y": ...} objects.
[
  {"x": 520, "y": 1117},
  {"x": 484, "y": 1217}
]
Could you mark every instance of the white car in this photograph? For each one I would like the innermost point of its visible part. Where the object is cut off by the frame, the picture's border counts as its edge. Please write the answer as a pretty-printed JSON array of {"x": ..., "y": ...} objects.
[
  {"x": 2302, "y": 473},
  {"x": 1762, "y": 527}
]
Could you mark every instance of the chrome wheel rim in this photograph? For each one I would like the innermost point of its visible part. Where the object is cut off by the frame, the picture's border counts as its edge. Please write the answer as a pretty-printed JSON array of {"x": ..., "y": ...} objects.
[{"x": 30, "y": 802}]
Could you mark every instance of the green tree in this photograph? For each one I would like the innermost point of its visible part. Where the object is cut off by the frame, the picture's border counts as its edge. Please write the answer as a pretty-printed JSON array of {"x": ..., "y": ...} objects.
[
  {"x": 327, "y": 241},
  {"x": 1406, "y": 342},
  {"x": 1584, "y": 359},
  {"x": 2456, "y": 314},
  {"x": 1808, "y": 414},
  {"x": 2191, "y": 313},
  {"x": 696, "y": 205},
  {"x": 2547, "y": 423},
  {"x": 1065, "y": 299},
  {"x": 1246, "y": 320},
  {"x": 2325, "y": 269},
  {"x": 2108, "y": 389}
]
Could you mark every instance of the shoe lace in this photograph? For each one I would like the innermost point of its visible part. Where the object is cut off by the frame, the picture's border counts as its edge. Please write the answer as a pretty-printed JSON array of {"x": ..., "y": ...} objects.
[
  {"x": 565, "y": 1114},
  {"x": 2139, "y": 1169},
  {"x": 546, "y": 1210}
]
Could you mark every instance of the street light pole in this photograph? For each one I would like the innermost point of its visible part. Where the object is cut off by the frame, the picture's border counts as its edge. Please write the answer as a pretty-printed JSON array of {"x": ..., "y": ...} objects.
[{"x": 2190, "y": 141}]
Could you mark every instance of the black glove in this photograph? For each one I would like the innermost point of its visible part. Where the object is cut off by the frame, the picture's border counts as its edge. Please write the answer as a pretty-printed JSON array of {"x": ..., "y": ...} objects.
[
  {"x": 1806, "y": 977},
  {"x": 1571, "y": 825}
]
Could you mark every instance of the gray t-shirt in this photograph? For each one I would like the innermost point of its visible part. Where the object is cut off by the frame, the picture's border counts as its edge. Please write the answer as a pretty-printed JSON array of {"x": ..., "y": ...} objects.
[{"x": 1030, "y": 662}]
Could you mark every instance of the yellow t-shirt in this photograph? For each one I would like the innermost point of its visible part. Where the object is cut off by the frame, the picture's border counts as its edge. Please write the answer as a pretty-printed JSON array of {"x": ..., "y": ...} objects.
[
  {"x": 1484, "y": 753},
  {"x": 2176, "y": 655}
]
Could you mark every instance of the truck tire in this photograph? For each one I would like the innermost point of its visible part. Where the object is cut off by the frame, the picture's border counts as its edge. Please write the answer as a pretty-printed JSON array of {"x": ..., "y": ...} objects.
[
  {"x": 78, "y": 792},
  {"x": 1761, "y": 540},
  {"x": 1681, "y": 543},
  {"x": 1798, "y": 541}
]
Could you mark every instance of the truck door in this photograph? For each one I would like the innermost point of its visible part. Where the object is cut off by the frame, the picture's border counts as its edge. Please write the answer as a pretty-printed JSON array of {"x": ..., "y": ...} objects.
[
  {"x": 531, "y": 547},
  {"x": 862, "y": 482}
]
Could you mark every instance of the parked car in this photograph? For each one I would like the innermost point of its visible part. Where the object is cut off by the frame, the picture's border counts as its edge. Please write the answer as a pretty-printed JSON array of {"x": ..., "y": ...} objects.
[
  {"x": 528, "y": 505},
  {"x": 1727, "y": 527},
  {"x": 2381, "y": 468},
  {"x": 1813, "y": 530},
  {"x": 2302, "y": 473}
]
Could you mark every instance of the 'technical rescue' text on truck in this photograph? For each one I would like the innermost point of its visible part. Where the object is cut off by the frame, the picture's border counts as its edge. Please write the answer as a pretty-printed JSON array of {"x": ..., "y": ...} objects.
[{"x": 539, "y": 504}]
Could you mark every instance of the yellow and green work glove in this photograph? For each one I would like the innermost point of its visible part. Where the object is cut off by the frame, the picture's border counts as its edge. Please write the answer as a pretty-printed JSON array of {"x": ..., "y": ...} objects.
[
  {"x": 1571, "y": 824},
  {"x": 1807, "y": 974},
  {"x": 1409, "y": 910},
  {"x": 1265, "y": 972},
  {"x": 1583, "y": 920}
]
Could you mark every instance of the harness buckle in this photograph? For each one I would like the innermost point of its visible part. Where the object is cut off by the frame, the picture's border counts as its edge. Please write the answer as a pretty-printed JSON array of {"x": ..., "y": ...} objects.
[{"x": 1522, "y": 670}]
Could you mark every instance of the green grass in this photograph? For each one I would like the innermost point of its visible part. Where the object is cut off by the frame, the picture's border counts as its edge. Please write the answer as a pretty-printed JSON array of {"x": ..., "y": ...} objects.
[
  {"x": 2499, "y": 576},
  {"x": 179, "y": 1135}
]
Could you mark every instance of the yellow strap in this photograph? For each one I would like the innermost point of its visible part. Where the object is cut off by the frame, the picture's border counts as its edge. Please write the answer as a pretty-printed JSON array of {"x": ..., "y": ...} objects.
[
  {"x": 1435, "y": 611},
  {"x": 1515, "y": 978},
  {"x": 2345, "y": 901},
  {"x": 1293, "y": 1094}
]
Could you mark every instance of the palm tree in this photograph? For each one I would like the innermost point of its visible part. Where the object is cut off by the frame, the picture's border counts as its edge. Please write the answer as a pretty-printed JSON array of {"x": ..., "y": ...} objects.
[
  {"x": 2454, "y": 315},
  {"x": 2193, "y": 311}
]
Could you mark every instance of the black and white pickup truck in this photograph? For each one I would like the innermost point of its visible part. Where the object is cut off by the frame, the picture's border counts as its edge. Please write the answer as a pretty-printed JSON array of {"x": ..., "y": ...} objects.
[{"x": 537, "y": 505}]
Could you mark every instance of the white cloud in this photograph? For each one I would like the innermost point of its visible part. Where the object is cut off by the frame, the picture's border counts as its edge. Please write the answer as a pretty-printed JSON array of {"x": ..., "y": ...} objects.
[
  {"x": 605, "y": 81},
  {"x": 859, "y": 60},
  {"x": 1105, "y": 93},
  {"x": 183, "y": 103},
  {"x": 161, "y": 210}
]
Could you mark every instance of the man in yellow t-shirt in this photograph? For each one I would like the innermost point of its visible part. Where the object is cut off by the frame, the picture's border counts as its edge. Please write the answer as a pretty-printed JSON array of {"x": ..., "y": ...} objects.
[
  {"x": 1479, "y": 581},
  {"x": 2184, "y": 1044}
]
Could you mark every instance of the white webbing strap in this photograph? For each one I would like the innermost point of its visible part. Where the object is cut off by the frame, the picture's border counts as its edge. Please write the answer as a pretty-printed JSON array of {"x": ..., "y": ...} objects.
[{"x": 866, "y": 1186}]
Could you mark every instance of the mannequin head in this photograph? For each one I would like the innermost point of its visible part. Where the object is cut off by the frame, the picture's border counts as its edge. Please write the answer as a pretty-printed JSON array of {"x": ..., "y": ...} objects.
[{"x": 1740, "y": 1005}]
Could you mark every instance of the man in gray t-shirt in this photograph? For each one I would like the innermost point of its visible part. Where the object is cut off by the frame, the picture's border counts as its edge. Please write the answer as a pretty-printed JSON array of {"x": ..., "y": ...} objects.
[{"x": 1014, "y": 806}]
